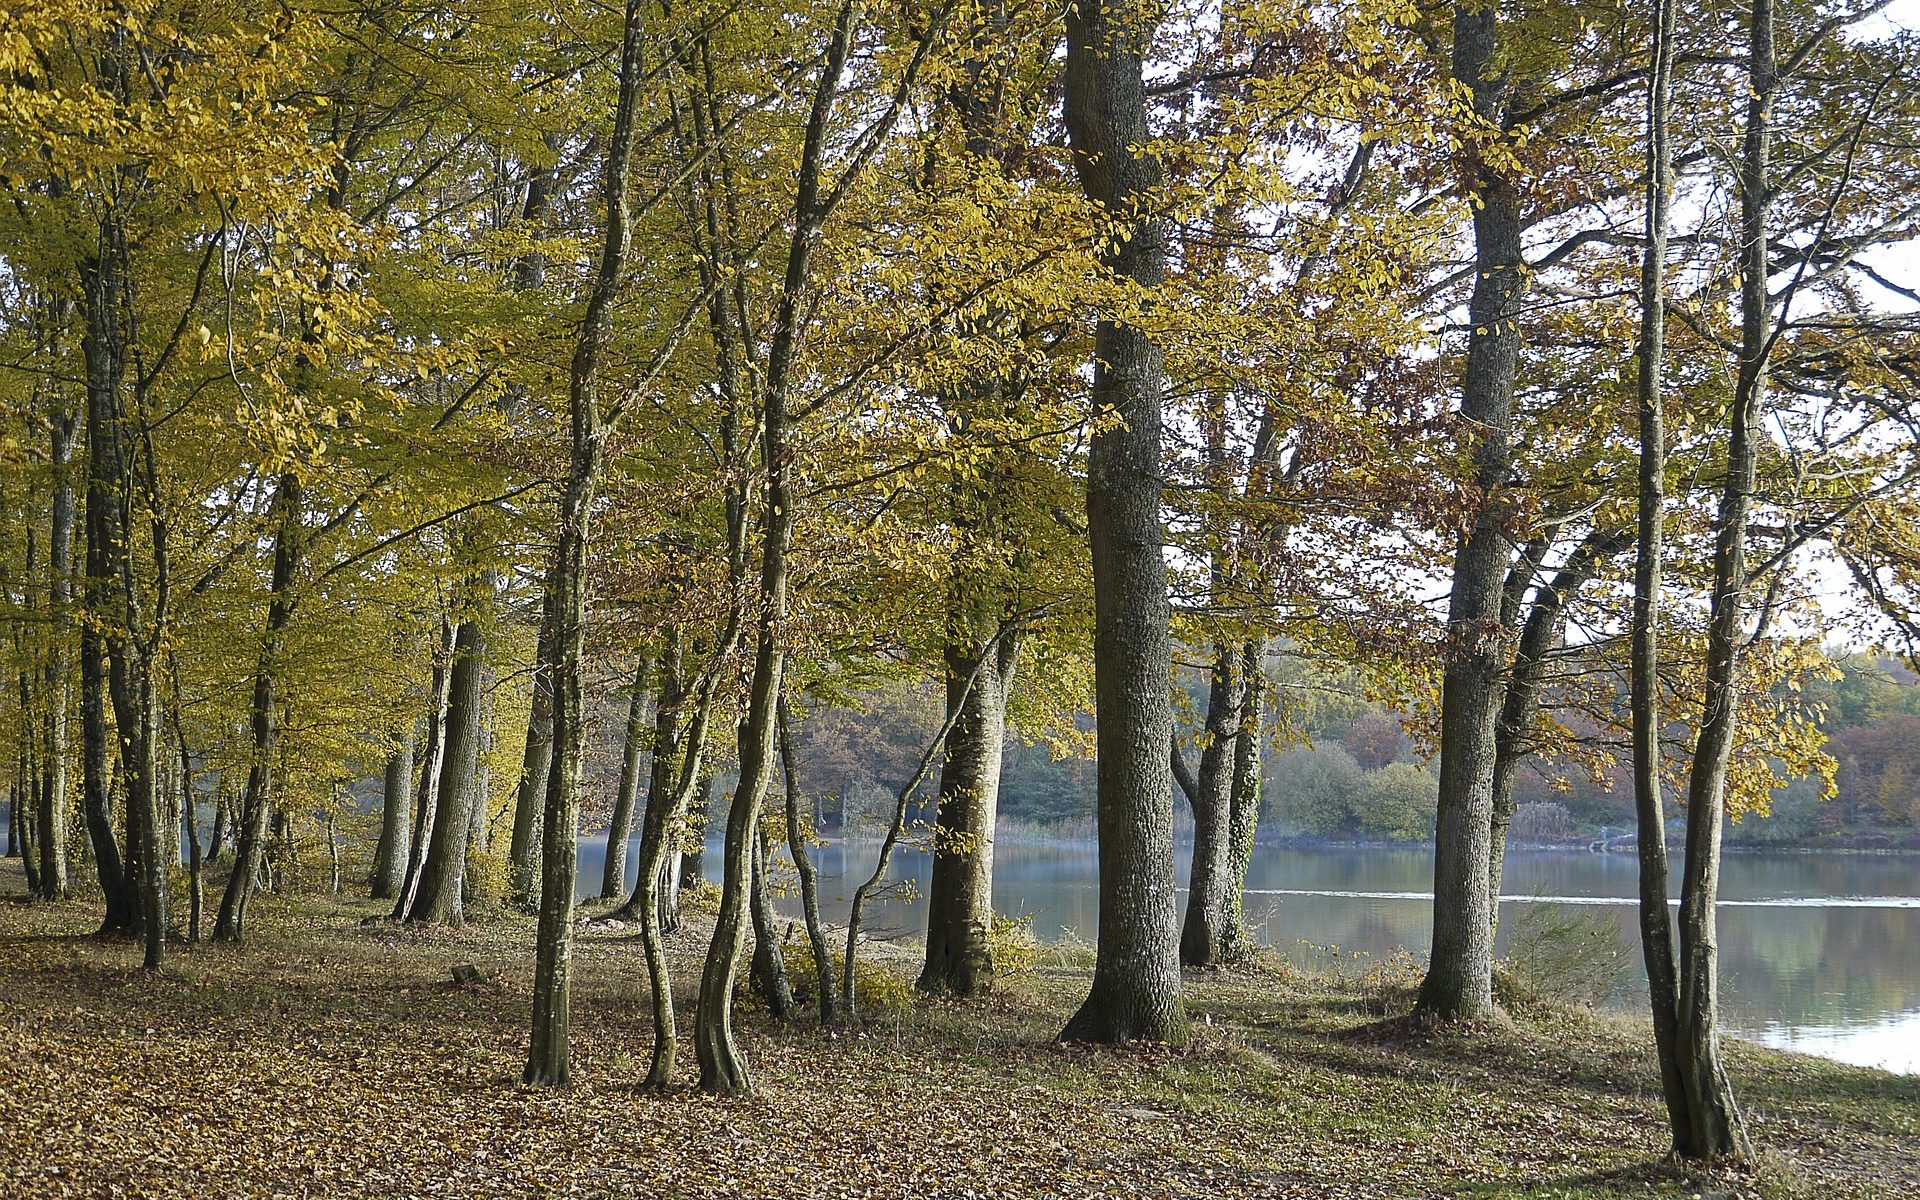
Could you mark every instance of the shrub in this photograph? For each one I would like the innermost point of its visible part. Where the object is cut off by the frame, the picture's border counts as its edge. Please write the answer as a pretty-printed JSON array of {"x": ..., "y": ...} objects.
[
  {"x": 1072, "y": 952},
  {"x": 1400, "y": 802},
  {"x": 879, "y": 991},
  {"x": 1314, "y": 790},
  {"x": 1015, "y": 949},
  {"x": 1567, "y": 954},
  {"x": 1541, "y": 821}
]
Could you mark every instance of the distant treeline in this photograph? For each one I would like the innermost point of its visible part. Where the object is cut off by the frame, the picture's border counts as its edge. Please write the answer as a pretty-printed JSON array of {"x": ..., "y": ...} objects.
[{"x": 1359, "y": 775}]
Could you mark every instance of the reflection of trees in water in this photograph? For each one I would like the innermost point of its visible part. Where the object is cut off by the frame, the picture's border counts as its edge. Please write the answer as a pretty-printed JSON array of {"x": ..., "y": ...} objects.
[{"x": 1821, "y": 965}]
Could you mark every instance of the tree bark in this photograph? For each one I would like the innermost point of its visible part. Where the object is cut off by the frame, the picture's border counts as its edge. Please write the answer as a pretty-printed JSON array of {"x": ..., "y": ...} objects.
[
  {"x": 1136, "y": 982},
  {"x": 427, "y": 791},
  {"x": 692, "y": 851},
  {"x": 1203, "y": 936},
  {"x": 798, "y": 833},
  {"x": 1656, "y": 920},
  {"x": 722, "y": 1067},
  {"x": 222, "y": 824},
  {"x": 1526, "y": 682},
  {"x": 440, "y": 899},
  {"x": 523, "y": 852},
  {"x": 1459, "y": 980},
  {"x": 396, "y": 821},
  {"x": 659, "y": 836},
  {"x": 51, "y": 823},
  {"x": 257, "y": 803},
  {"x": 1243, "y": 810},
  {"x": 613, "y": 877},
  {"x": 769, "y": 965},
  {"x": 196, "y": 883},
  {"x": 105, "y": 543},
  {"x": 118, "y": 600},
  {"x": 959, "y": 957}
]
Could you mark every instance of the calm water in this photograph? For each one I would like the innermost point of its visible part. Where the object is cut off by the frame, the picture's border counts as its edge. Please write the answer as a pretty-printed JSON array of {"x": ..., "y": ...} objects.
[{"x": 1819, "y": 952}]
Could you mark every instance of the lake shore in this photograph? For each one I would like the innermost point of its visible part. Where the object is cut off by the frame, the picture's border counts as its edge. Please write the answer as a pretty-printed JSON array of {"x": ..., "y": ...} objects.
[
  {"x": 1039, "y": 835},
  {"x": 330, "y": 1059}
]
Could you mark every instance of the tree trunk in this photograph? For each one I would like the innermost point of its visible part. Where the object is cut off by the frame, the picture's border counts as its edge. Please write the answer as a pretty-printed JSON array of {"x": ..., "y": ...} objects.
[
  {"x": 230, "y": 925},
  {"x": 196, "y": 883},
  {"x": 1203, "y": 937},
  {"x": 222, "y": 824},
  {"x": 1656, "y": 920},
  {"x": 427, "y": 791},
  {"x": 396, "y": 820},
  {"x": 1459, "y": 980},
  {"x": 20, "y": 801},
  {"x": 1526, "y": 682},
  {"x": 115, "y": 594},
  {"x": 549, "y": 1054},
  {"x": 769, "y": 965},
  {"x": 523, "y": 852},
  {"x": 659, "y": 839},
  {"x": 613, "y": 877},
  {"x": 722, "y": 1068},
  {"x": 480, "y": 790},
  {"x": 1136, "y": 982},
  {"x": 105, "y": 544},
  {"x": 959, "y": 958},
  {"x": 51, "y": 825},
  {"x": 333, "y": 855},
  {"x": 130, "y": 684},
  {"x": 1243, "y": 810},
  {"x": 1716, "y": 1128},
  {"x": 692, "y": 851},
  {"x": 439, "y": 900},
  {"x": 798, "y": 833}
]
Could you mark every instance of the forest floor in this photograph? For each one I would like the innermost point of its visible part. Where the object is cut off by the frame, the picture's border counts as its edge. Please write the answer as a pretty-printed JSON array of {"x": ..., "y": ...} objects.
[{"x": 326, "y": 1058}]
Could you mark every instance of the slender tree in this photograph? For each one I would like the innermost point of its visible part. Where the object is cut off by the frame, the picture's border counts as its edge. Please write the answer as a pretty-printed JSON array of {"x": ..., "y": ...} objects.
[
  {"x": 613, "y": 876},
  {"x": 549, "y": 1057},
  {"x": 1716, "y": 1129},
  {"x": 439, "y": 898},
  {"x": 1656, "y": 921}
]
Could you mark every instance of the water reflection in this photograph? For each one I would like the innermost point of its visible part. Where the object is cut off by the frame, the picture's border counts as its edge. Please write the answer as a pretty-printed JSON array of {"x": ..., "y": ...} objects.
[{"x": 1819, "y": 952}]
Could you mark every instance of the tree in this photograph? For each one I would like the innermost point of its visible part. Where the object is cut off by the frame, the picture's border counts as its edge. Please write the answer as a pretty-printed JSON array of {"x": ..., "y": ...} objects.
[
  {"x": 1459, "y": 980},
  {"x": 1656, "y": 928},
  {"x": 1136, "y": 983},
  {"x": 613, "y": 879},
  {"x": 549, "y": 1057}
]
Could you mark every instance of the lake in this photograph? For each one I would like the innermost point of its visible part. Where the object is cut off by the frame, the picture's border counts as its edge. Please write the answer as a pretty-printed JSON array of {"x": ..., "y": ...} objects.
[{"x": 1819, "y": 952}]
